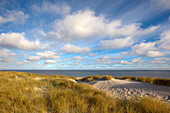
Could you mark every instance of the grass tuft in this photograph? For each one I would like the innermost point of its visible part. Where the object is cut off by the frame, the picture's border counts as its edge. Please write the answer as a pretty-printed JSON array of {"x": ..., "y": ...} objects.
[
  {"x": 160, "y": 81},
  {"x": 126, "y": 78},
  {"x": 107, "y": 77}
]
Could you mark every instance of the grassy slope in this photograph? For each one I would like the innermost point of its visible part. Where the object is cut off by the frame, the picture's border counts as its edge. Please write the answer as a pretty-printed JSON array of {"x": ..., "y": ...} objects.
[{"x": 21, "y": 92}]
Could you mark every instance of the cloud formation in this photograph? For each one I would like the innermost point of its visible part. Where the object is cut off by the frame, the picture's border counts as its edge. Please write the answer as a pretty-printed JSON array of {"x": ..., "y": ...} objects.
[
  {"x": 6, "y": 53},
  {"x": 146, "y": 50},
  {"x": 48, "y": 7},
  {"x": 164, "y": 42},
  {"x": 33, "y": 58},
  {"x": 85, "y": 24},
  {"x": 78, "y": 58},
  {"x": 17, "y": 17},
  {"x": 163, "y": 4},
  {"x": 116, "y": 43},
  {"x": 49, "y": 62},
  {"x": 48, "y": 55},
  {"x": 68, "y": 48},
  {"x": 18, "y": 41}
]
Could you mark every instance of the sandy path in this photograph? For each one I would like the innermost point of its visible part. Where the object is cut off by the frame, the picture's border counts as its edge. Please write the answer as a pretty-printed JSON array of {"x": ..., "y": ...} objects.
[{"x": 128, "y": 89}]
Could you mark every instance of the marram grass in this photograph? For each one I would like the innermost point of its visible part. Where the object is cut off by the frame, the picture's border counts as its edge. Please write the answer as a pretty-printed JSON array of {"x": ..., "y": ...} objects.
[
  {"x": 156, "y": 81},
  {"x": 32, "y": 93}
]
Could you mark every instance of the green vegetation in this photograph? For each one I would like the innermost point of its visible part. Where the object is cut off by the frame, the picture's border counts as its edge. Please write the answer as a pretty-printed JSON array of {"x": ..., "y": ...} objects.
[{"x": 33, "y": 93}]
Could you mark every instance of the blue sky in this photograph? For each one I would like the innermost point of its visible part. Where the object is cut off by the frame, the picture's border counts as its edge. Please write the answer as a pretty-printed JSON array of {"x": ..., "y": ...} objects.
[{"x": 85, "y": 34}]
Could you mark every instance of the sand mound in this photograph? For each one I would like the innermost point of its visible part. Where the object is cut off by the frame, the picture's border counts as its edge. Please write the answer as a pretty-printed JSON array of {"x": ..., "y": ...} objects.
[{"x": 129, "y": 89}]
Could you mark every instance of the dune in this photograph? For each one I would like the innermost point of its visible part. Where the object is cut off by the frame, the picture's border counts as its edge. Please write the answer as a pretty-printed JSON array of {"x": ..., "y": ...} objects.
[{"x": 130, "y": 89}]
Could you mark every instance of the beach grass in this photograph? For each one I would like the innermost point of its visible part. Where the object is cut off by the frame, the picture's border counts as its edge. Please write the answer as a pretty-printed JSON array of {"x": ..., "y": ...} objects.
[
  {"x": 156, "y": 81},
  {"x": 91, "y": 78},
  {"x": 33, "y": 93},
  {"x": 107, "y": 77},
  {"x": 126, "y": 78},
  {"x": 161, "y": 81}
]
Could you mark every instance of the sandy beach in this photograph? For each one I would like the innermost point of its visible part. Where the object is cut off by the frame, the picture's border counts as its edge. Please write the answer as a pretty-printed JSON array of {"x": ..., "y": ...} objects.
[{"x": 129, "y": 89}]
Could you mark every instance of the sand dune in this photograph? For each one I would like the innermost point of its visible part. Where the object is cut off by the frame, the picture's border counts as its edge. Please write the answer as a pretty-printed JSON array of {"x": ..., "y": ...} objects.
[{"x": 129, "y": 89}]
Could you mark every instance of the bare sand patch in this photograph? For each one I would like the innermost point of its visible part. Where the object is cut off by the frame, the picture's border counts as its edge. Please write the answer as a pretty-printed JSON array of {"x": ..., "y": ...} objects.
[{"x": 130, "y": 89}]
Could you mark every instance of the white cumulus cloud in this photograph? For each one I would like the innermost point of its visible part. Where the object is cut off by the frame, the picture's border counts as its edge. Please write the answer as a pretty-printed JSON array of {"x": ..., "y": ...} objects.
[
  {"x": 164, "y": 42},
  {"x": 154, "y": 54},
  {"x": 33, "y": 58},
  {"x": 143, "y": 48},
  {"x": 68, "y": 48},
  {"x": 146, "y": 50},
  {"x": 18, "y": 40},
  {"x": 49, "y": 55},
  {"x": 78, "y": 58},
  {"x": 116, "y": 43},
  {"x": 50, "y": 62},
  {"x": 87, "y": 25}
]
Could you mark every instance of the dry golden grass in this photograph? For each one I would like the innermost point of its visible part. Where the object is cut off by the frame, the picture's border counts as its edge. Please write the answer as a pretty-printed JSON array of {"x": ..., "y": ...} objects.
[
  {"x": 21, "y": 92},
  {"x": 126, "y": 78},
  {"x": 157, "y": 81},
  {"x": 91, "y": 78},
  {"x": 107, "y": 77}
]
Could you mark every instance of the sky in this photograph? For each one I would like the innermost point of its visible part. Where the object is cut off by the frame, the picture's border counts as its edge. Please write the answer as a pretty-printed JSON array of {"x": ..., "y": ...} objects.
[{"x": 85, "y": 34}]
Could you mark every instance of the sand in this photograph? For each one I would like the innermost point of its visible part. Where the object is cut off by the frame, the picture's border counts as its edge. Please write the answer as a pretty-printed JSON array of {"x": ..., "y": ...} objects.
[{"x": 130, "y": 89}]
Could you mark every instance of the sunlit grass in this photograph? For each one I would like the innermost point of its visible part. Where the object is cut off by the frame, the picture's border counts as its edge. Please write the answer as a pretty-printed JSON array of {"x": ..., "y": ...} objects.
[
  {"x": 107, "y": 77},
  {"x": 126, "y": 78},
  {"x": 157, "y": 81},
  {"x": 21, "y": 92}
]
